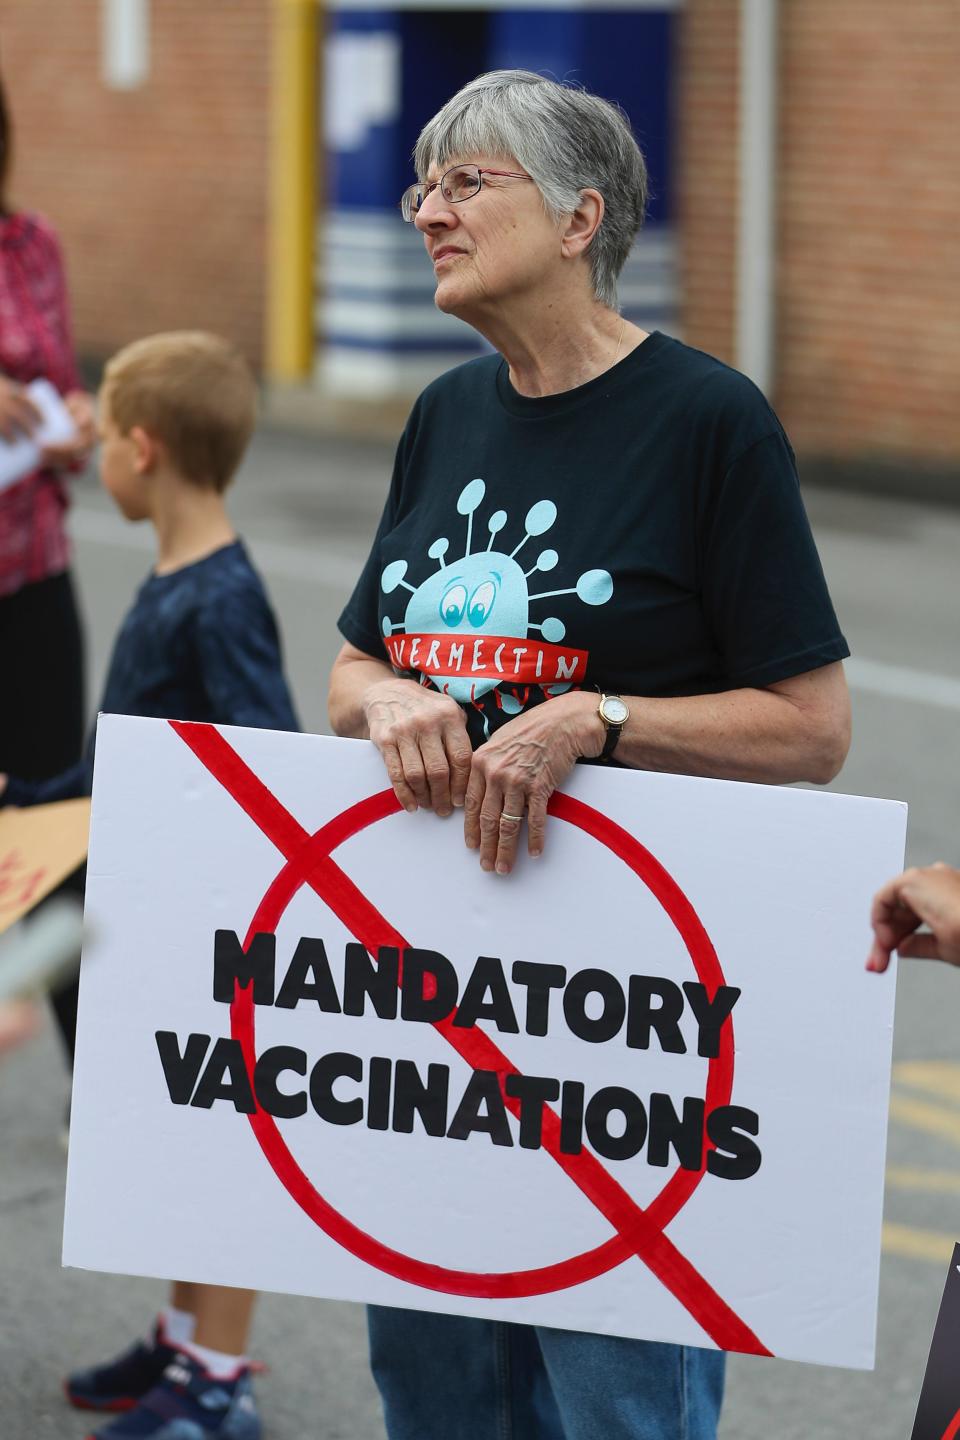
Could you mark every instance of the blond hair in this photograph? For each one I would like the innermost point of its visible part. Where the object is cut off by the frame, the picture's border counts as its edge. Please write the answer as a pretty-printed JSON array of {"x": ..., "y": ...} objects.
[{"x": 190, "y": 390}]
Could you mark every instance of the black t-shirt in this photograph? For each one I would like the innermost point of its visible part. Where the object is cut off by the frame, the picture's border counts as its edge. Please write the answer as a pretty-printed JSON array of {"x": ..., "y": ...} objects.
[{"x": 643, "y": 533}]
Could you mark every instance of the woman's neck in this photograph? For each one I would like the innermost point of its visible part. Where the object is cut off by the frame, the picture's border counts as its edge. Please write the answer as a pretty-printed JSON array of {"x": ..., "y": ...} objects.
[{"x": 552, "y": 346}]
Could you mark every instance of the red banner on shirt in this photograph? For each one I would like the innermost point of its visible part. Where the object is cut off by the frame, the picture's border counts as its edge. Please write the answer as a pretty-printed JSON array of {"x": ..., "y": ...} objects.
[{"x": 506, "y": 659}]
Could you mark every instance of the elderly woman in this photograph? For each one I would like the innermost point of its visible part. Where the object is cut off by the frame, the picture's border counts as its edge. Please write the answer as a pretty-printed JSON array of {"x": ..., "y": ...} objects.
[{"x": 675, "y": 619}]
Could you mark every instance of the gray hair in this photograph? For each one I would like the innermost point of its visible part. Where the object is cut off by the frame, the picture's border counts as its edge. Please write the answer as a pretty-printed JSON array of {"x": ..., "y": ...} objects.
[{"x": 566, "y": 139}]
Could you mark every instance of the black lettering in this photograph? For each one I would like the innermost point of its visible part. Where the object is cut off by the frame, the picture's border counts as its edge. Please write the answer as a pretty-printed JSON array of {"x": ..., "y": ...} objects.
[
  {"x": 710, "y": 1014},
  {"x": 487, "y": 976},
  {"x": 265, "y": 1074},
  {"x": 643, "y": 1016},
  {"x": 539, "y": 981},
  {"x": 412, "y": 1097},
  {"x": 181, "y": 1071},
  {"x": 328, "y": 1069},
  {"x": 378, "y": 1092},
  {"x": 483, "y": 1089},
  {"x": 533, "y": 1092},
  {"x": 668, "y": 1129},
  {"x": 226, "y": 1078},
  {"x": 609, "y": 1021},
  {"x": 363, "y": 980},
  {"x": 310, "y": 957},
  {"x": 599, "y": 1109},
  {"x": 724, "y": 1127},
  {"x": 571, "y": 1117},
  {"x": 233, "y": 966},
  {"x": 429, "y": 987}
]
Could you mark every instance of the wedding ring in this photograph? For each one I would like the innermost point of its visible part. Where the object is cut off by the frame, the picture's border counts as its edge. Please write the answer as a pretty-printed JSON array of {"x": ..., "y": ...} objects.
[{"x": 505, "y": 816}]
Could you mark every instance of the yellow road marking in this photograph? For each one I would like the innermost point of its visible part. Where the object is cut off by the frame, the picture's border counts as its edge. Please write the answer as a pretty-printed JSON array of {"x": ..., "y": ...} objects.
[
  {"x": 922, "y": 1115},
  {"x": 941, "y": 1182},
  {"x": 937, "y": 1077},
  {"x": 918, "y": 1244}
]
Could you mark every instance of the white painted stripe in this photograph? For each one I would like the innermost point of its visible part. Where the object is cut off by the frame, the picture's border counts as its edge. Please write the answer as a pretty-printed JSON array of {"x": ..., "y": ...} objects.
[{"x": 900, "y": 682}]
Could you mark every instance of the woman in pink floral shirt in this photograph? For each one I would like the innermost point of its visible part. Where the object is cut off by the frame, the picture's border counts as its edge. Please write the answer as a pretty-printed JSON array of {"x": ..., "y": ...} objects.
[{"x": 41, "y": 657}]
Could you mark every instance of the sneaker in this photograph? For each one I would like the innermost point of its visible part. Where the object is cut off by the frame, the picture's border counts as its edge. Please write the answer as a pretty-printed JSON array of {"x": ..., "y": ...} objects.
[
  {"x": 123, "y": 1382},
  {"x": 190, "y": 1404}
]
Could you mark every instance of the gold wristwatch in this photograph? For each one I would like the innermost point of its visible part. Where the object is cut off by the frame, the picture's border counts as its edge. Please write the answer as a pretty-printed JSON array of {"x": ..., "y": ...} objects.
[{"x": 614, "y": 714}]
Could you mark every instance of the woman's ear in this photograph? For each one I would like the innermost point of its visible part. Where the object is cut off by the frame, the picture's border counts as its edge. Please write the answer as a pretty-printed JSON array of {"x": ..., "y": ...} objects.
[{"x": 581, "y": 226}]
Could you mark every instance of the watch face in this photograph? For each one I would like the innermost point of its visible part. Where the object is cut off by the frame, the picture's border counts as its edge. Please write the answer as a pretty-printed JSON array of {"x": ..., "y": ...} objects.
[{"x": 614, "y": 710}]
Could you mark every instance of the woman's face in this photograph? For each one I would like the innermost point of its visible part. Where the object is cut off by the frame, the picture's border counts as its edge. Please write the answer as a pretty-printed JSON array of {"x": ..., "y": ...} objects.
[{"x": 497, "y": 246}]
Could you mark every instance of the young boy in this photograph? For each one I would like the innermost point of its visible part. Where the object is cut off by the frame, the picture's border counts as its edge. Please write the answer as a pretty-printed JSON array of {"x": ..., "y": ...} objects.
[{"x": 199, "y": 643}]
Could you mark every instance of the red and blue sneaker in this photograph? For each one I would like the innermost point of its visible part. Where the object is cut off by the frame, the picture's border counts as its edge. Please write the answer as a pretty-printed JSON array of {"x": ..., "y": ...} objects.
[
  {"x": 188, "y": 1403},
  {"x": 122, "y": 1383}
]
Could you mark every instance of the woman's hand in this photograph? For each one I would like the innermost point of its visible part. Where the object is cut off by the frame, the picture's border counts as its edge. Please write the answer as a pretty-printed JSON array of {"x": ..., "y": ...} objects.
[
  {"x": 75, "y": 451},
  {"x": 18, "y": 414},
  {"x": 422, "y": 736},
  {"x": 517, "y": 771},
  {"x": 917, "y": 897}
]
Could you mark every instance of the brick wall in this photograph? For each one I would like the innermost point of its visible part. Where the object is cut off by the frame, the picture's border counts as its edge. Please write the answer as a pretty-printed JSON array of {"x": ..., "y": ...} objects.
[
  {"x": 868, "y": 354},
  {"x": 159, "y": 194},
  {"x": 707, "y": 157},
  {"x": 868, "y": 193}
]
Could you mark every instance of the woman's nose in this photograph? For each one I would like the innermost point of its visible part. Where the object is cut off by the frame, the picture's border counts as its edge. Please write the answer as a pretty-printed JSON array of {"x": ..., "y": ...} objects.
[{"x": 435, "y": 213}]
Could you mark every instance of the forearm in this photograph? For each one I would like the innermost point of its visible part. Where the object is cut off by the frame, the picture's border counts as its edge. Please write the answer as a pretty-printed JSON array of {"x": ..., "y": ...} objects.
[
  {"x": 755, "y": 735},
  {"x": 737, "y": 735}
]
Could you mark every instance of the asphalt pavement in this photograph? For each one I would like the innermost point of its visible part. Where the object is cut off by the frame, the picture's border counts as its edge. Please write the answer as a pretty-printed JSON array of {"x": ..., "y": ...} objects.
[{"x": 308, "y": 507}]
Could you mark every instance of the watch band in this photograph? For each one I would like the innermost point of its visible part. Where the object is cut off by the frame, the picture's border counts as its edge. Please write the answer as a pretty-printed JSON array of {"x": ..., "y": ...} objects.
[
  {"x": 610, "y": 743},
  {"x": 614, "y": 728}
]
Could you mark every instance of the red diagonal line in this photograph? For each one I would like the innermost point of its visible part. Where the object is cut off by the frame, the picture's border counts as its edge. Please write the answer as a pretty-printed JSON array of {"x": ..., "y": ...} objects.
[{"x": 352, "y": 907}]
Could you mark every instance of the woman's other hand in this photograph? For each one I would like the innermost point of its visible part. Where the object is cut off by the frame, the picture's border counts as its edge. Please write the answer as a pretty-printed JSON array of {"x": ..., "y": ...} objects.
[
  {"x": 18, "y": 414},
  {"x": 76, "y": 451},
  {"x": 517, "y": 771},
  {"x": 422, "y": 736},
  {"x": 931, "y": 897}
]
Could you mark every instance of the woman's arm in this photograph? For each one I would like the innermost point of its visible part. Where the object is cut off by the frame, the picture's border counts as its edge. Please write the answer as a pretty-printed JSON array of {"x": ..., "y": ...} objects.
[
  {"x": 421, "y": 734},
  {"x": 797, "y": 729}
]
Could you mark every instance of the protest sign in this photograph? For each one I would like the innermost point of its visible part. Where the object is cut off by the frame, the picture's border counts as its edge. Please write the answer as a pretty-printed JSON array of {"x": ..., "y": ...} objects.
[
  {"x": 938, "y": 1411},
  {"x": 637, "y": 1087},
  {"x": 39, "y": 847}
]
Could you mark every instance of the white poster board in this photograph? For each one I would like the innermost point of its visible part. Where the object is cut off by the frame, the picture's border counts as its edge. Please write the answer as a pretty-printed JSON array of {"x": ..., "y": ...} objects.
[{"x": 382, "y": 1161}]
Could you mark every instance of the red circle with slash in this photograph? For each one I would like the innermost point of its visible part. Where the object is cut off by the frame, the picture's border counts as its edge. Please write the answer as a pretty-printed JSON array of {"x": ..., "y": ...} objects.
[{"x": 312, "y": 865}]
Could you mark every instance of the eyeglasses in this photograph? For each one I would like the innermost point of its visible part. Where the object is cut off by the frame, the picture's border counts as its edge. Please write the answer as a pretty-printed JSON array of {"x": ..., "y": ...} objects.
[{"x": 455, "y": 186}]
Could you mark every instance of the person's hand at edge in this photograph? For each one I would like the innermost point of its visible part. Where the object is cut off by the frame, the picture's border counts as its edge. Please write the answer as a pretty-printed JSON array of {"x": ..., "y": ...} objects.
[
  {"x": 18, "y": 414},
  {"x": 929, "y": 896},
  {"x": 422, "y": 736},
  {"x": 517, "y": 770}
]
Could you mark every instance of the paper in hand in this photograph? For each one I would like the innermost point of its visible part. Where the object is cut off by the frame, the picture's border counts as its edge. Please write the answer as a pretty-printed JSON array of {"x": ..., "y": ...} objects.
[{"x": 18, "y": 458}]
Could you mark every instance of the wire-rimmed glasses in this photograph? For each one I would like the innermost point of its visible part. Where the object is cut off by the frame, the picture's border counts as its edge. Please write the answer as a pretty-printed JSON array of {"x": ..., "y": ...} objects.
[{"x": 455, "y": 185}]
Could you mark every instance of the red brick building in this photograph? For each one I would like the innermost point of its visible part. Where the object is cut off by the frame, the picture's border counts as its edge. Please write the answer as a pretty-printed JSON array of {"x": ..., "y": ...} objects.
[{"x": 161, "y": 193}]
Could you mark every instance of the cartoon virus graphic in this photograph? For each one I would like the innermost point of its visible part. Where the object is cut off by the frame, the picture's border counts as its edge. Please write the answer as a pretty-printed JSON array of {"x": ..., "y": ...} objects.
[{"x": 485, "y": 597}]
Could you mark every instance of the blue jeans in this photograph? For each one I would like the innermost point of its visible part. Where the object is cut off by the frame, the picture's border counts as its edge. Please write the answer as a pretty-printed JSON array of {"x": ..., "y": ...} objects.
[{"x": 446, "y": 1377}]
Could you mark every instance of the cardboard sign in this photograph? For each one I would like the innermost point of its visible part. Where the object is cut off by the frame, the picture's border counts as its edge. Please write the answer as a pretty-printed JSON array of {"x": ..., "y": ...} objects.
[
  {"x": 638, "y": 1087},
  {"x": 39, "y": 847},
  {"x": 938, "y": 1412}
]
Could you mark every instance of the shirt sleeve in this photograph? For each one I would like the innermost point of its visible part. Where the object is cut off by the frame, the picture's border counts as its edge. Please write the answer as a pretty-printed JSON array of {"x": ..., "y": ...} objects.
[
  {"x": 70, "y": 784},
  {"x": 239, "y": 659},
  {"x": 763, "y": 587}
]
